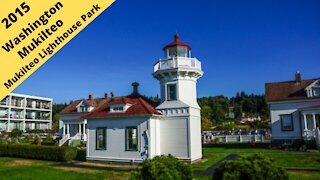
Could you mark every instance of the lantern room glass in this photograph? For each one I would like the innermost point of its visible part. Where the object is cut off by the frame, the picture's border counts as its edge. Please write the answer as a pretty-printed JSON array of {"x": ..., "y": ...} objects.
[{"x": 177, "y": 51}]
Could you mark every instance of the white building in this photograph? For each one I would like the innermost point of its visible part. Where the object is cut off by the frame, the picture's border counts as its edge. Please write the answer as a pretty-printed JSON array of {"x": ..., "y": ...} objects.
[
  {"x": 24, "y": 112},
  {"x": 295, "y": 108},
  {"x": 133, "y": 128}
]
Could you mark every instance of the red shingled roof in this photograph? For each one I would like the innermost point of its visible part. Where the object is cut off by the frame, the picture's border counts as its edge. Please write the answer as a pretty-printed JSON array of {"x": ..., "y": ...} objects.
[
  {"x": 139, "y": 106},
  {"x": 72, "y": 108},
  {"x": 177, "y": 42},
  {"x": 290, "y": 90}
]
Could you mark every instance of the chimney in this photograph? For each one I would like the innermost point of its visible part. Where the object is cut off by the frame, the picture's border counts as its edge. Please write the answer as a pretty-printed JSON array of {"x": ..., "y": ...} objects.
[
  {"x": 135, "y": 88},
  {"x": 106, "y": 95},
  {"x": 298, "y": 77},
  {"x": 90, "y": 97}
]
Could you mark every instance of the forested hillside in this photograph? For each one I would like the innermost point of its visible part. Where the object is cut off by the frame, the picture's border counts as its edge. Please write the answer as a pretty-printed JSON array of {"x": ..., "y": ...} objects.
[{"x": 217, "y": 109}]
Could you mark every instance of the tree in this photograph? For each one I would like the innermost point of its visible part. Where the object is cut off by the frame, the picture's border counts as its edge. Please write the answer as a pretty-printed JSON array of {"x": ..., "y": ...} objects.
[
  {"x": 57, "y": 108},
  {"x": 206, "y": 124},
  {"x": 206, "y": 112},
  {"x": 55, "y": 120},
  {"x": 251, "y": 167}
]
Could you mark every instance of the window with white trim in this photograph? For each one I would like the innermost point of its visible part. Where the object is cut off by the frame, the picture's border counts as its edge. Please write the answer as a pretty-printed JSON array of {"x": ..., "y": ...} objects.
[
  {"x": 101, "y": 138},
  {"x": 132, "y": 139},
  {"x": 171, "y": 92},
  {"x": 286, "y": 122}
]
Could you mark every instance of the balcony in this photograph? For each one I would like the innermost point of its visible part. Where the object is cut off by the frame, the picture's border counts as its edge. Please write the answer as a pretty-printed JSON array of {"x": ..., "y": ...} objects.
[
  {"x": 16, "y": 116},
  {"x": 4, "y": 116},
  {"x": 38, "y": 105},
  {"x": 178, "y": 62},
  {"x": 4, "y": 103},
  {"x": 37, "y": 117}
]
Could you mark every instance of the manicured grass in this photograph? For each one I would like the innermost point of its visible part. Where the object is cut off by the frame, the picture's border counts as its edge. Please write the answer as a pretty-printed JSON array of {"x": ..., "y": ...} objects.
[
  {"x": 301, "y": 165},
  {"x": 12, "y": 168},
  {"x": 238, "y": 150},
  {"x": 304, "y": 175},
  {"x": 208, "y": 160},
  {"x": 296, "y": 160},
  {"x": 15, "y": 168}
]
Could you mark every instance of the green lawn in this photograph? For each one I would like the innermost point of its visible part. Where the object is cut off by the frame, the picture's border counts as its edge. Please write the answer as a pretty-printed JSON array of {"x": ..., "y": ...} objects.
[
  {"x": 208, "y": 160},
  {"x": 296, "y": 160},
  {"x": 207, "y": 150},
  {"x": 12, "y": 168},
  {"x": 298, "y": 165},
  {"x": 304, "y": 175}
]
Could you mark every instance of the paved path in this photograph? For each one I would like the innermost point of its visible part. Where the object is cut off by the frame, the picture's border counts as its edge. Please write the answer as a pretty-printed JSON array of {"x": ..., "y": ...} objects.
[{"x": 210, "y": 171}]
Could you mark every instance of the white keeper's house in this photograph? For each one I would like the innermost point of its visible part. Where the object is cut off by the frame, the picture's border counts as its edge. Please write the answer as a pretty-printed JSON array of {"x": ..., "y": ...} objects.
[
  {"x": 295, "y": 108},
  {"x": 133, "y": 128}
]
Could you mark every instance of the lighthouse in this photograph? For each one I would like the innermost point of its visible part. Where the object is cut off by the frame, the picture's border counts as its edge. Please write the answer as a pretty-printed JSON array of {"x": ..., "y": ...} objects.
[{"x": 180, "y": 128}]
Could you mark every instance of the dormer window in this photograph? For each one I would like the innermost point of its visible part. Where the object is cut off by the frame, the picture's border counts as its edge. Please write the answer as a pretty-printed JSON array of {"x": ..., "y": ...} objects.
[
  {"x": 119, "y": 107},
  {"x": 84, "y": 107},
  {"x": 314, "y": 89}
]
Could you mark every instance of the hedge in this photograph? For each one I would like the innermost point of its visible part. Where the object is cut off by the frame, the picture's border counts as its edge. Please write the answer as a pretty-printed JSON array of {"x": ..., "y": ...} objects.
[{"x": 53, "y": 153}]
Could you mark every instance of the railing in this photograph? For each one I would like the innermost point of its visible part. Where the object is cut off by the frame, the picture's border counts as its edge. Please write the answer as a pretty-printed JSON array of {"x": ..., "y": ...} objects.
[
  {"x": 235, "y": 138},
  {"x": 4, "y": 103},
  {"x": 317, "y": 133},
  {"x": 4, "y": 116},
  {"x": 309, "y": 134},
  {"x": 64, "y": 139},
  {"x": 177, "y": 62}
]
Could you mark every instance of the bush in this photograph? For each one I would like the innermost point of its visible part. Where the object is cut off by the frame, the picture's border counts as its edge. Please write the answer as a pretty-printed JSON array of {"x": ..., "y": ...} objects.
[
  {"x": 48, "y": 141},
  {"x": 163, "y": 167},
  {"x": 252, "y": 167},
  {"x": 53, "y": 153},
  {"x": 81, "y": 155},
  {"x": 36, "y": 131},
  {"x": 15, "y": 133},
  {"x": 26, "y": 140}
]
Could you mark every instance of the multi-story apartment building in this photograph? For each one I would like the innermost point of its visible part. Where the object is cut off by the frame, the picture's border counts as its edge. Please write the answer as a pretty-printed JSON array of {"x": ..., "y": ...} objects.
[{"x": 24, "y": 112}]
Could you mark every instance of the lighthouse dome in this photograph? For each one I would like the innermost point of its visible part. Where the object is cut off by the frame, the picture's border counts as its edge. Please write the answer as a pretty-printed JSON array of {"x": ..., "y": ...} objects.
[{"x": 177, "y": 48}]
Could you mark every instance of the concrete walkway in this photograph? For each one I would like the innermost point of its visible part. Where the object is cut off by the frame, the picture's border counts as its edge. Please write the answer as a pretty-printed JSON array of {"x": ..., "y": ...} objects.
[{"x": 210, "y": 171}]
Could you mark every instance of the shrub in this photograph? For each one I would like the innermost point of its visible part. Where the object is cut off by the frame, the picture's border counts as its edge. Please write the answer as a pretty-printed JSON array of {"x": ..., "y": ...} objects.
[
  {"x": 53, "y": 153},
  {"x": 36, "y": 131},
  {"x": 81, "y": 155},
  {"x": 15, "y": 133},
  {"x": 48, "y": 141},
  {"x": 27, "y": 140},
  {"x": 252, "y": 167},
  {"x": 163, "y": 167}
]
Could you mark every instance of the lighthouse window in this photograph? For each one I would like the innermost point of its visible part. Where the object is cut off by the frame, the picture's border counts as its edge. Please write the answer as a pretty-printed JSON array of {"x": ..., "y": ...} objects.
[
  {"x": 171, "y": 92},
  {"x": 182, "y": 52}
]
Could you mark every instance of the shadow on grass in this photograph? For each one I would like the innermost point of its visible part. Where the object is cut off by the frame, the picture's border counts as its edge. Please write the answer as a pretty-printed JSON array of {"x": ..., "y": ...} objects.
[{"x": 80, "y": 165}]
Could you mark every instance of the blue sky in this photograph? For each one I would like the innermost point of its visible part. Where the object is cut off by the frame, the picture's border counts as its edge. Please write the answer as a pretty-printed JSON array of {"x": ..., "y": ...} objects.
[{"x": 241, "y": 44}]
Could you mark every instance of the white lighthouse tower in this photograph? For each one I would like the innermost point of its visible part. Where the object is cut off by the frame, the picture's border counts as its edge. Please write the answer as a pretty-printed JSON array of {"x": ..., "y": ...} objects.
[{"x": 178, "y": 72}]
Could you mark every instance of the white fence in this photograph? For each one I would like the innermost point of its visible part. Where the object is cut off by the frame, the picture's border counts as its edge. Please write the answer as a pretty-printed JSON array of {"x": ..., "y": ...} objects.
[{"x": 235, "y": 138}]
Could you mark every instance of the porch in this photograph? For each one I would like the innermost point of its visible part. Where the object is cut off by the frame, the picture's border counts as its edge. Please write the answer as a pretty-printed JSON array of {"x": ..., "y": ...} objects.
[
  {"x": 73, "y": 131},
  {"x": 310, "y": 123}
]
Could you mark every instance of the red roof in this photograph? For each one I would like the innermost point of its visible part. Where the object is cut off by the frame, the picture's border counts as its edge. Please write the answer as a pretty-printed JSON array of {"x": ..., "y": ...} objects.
[
  {"x": 177, "y": 42},
  {"x": 72, "y": 108},
  {"x": 139, "y": 106},
  {"x": 289, "y": 90}
]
